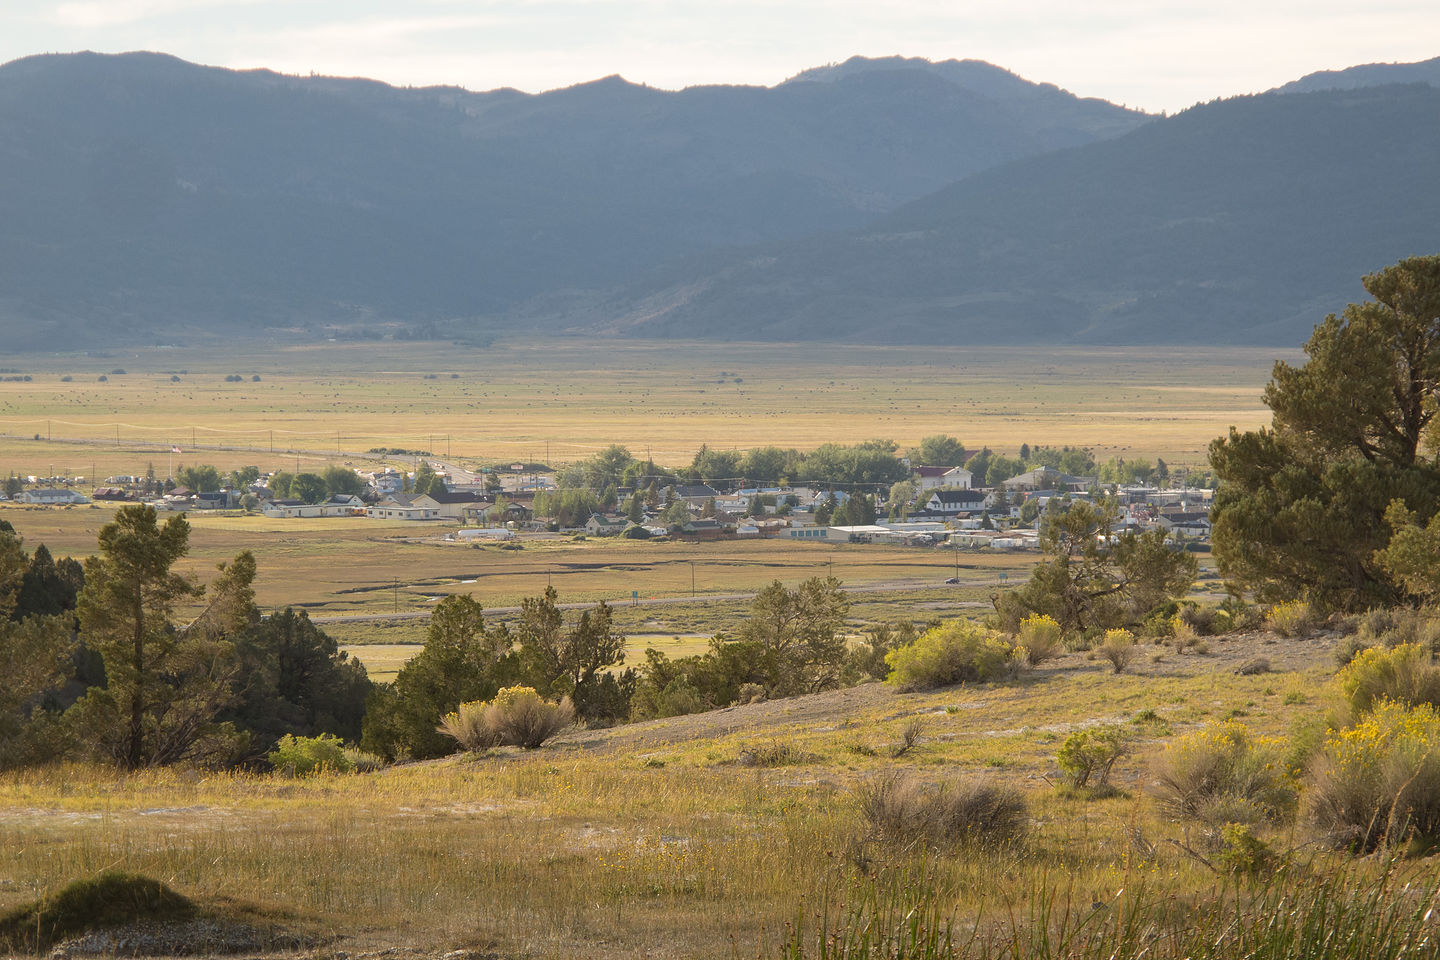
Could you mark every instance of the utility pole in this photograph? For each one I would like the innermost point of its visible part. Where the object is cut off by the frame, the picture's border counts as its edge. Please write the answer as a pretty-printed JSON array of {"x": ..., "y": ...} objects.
[
  {"x": 397, "y": 594},
  {"x": 692, "y": 578}
]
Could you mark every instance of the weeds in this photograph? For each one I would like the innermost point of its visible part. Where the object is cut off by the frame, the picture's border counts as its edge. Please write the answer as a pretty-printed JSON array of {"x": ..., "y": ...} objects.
[
  {"x": 902, "y": 811},
  {"x": 1118, "y": 648}
]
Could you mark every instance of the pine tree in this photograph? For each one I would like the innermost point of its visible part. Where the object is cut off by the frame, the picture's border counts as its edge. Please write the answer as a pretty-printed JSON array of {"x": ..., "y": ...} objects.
[{"x": 165, "y": 684}]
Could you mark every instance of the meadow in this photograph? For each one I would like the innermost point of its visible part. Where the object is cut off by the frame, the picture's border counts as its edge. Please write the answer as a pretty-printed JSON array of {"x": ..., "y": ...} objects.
[
  {"x": 560, "y": 401},
  {"x": 712, "y": 835}
]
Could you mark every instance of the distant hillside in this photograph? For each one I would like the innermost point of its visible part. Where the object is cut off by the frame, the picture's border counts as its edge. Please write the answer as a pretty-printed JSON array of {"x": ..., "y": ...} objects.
[
  {"x": 1242, "y": 221},
  {"x": 145, "y": 198},
  {"x": 1367, "y": 75}
]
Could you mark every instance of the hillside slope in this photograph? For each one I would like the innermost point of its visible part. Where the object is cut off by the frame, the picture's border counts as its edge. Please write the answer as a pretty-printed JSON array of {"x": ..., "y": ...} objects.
[
  {"x": 144, "y": 197},
  {"x": 1242, "y": 221}
]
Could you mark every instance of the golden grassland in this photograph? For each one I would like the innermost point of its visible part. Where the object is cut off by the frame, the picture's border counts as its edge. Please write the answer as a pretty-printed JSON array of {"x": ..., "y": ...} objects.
[
  {"x": 656, "y": 839},
  {"x": 360, "y": 566},
  {"x": 563, "y": 400}
]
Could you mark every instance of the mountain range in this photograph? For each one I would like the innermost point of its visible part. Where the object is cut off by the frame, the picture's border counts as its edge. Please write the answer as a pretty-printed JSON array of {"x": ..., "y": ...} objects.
[{"x": 146, "y": 199}]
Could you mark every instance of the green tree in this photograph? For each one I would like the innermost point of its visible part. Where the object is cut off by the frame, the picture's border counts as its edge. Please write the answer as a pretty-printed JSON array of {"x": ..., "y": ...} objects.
[
  {"x": 979, "y": 463},
  {"x": 869, "y": 462},
  {"x": 1093, "y": 577},
  {"x": 164, "y": 685},
  {"x": 561, "y": 660},
  {"x": 715, "y": 464},
  {"x": 308, "y": 487},
  {"x": 35, "y": 660},
  {"x": 901, "y": 494},
  {"x": 48, "y": 588},
  {"x": 1299, "y": 508},
  {"x": 426, "y": 481},
  {"x": 462, "y": 660},
  {"x": 14, "y": 486},
  {"x": 296, "y": 681},
  {"x": 200, "y": 479},
  {"x": 1029, "y": 510},
  {"x": 242, "y": 477},
  {"x": 1000, "y": 469},
  {"x": 857, "y": 511},
  {"x": 799, "y": 635},
  {"x": 635, "y": 509},
  {"x": 762, "y": 465},
  {"x": 342, "y": 480},
  {"x": 825, "y": 510},
  {"x": 280, "y": 484},
  {"x": 940, "y": 450},
  {"x": 606, "y": 467}
]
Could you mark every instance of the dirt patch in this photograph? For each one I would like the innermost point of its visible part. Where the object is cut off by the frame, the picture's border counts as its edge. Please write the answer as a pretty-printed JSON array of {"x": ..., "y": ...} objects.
[{"x": 205, "y": 937}]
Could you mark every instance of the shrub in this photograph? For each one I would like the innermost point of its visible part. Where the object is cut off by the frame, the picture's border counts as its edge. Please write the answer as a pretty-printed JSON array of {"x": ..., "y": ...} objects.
[
  {"x": 362, "y": 761},
  {"x": 519, "y": 717},
  {"x": 751, "y": 693},
  {"x": 953, "y": 652},
  {"x": 1182, "y": 634},
  {"x": 1395, "y": 627},
  {"x": 1241, "y": 615},
  {"x": 1224, "y": 774},
  {"x": 899, "y": 809},
  {"x": 1379, "y": 781},
  {"x": 1119, "y": 648},
  {"x": 1205, "y": 621},
  {"x": 1404, "y": 674},
  {"x": 302, "y": 756},
  {"x": 772, "y": 753},
  {"x": 1087, "y": 756},
  {"x": 467, "y": 725},
  {"x": 1243, "y": 852},
  {"x": 1039, "y": 636},
  {"x": 1293, "y": 618}
]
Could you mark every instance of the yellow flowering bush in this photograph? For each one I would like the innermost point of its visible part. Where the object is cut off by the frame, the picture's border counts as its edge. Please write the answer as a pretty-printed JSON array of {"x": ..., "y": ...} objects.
[
  {"x": 958, "y": 651},
  {"x": 1379, "y": 781},
  {"x": 1293, "y": 618},
  {"x": 1404, "y": 674},
  {"x": 1118, "y": 647},
  {"x": 1039, "y": 635},
  {"x": 1225, "y": 774},
  {"x": 518, "y": 717}
]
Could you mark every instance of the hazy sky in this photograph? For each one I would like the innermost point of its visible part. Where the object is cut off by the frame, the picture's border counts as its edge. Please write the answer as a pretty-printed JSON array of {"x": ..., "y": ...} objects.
[{"x": 1155, "y": 54}]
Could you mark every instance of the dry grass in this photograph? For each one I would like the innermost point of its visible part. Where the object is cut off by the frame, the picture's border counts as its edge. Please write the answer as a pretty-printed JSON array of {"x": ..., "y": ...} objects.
[
  {"x": 368, "y": 567},
  {"x": 518, "y": 400},
  {"x": 643, "y": 839}
]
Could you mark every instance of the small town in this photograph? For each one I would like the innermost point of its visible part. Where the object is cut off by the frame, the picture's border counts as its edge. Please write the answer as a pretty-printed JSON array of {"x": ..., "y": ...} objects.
[{"x": 934, "y": 506}]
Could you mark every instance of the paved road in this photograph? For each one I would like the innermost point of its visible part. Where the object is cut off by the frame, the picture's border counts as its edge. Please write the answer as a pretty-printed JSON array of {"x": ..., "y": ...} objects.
[{"x": 904, "y": 587}]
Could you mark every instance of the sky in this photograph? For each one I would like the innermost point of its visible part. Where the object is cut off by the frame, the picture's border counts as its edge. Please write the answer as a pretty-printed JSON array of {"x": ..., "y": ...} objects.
[{"x": 1152, "y": 54}]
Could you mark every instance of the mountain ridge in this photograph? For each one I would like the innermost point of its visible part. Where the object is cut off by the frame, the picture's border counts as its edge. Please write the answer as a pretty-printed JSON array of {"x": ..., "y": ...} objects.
[{"x": 139, "y": 191}]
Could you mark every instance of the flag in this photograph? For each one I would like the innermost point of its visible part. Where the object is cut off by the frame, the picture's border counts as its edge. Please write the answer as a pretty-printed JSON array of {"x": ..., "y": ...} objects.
[{"x": 176, "y": 450}]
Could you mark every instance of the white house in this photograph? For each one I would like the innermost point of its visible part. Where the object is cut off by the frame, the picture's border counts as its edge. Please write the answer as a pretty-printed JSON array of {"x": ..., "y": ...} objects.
[
  {"x": 402, "y": 507},
  {"x": 600, "y": 525},
  {"x": 951, "y": 502},
  {"x": 52, "y": 496},
  {"x": 933, "y": 478}
]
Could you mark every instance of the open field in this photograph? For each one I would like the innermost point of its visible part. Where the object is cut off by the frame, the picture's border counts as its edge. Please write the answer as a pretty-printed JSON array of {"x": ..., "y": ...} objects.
[
  {"x": 563, "y": 400},
  {"x": 662, "y": 840},
  {"x": 359, "y": 566}
]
